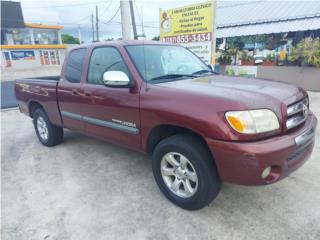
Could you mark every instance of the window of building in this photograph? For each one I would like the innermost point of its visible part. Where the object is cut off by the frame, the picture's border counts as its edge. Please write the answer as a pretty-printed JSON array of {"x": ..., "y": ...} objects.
[
  {"x": 102, "y": 60},
  {"x": 49, "y": 57},
  {"x": 17, "y": 37},
  {"x": 75, "y": 65},
  {"x": 46, "y": 36}
]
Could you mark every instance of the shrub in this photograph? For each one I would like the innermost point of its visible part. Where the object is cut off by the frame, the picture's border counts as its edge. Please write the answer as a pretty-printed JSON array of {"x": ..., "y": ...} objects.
[
  {"x": 230, "y": 72},
  {"x": 270, "y": 57},
  {"x": 246, "y": 56},
  {"x": 306, "y": 52},
  {"x": 225, "y": 58}
]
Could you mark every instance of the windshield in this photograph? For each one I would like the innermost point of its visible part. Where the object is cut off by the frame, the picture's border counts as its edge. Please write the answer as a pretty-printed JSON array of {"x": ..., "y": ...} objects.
[{"x": 158, "y": 61}]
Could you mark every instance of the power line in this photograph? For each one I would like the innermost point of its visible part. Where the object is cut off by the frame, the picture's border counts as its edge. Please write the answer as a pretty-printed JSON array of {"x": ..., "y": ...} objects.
[
  {"x": 140, "y": 16},
  {"x": 105, "y": 10},
  {"x": 78, "y": 21},
  {"x": 70, "y": 5},
  {"x": 147, "y": 26},
  {"x": 116, "y": 13}
]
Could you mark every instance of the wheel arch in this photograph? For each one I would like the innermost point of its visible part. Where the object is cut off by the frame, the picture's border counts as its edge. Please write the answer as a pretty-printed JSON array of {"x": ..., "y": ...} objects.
[
  {"x": 160, "y": 132},
  {"x": 33, "y": 106}
]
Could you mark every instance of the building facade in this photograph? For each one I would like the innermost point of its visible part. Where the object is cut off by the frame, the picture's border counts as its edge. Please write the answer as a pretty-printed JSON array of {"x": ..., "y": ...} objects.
[{"x": 28, "y": 45}]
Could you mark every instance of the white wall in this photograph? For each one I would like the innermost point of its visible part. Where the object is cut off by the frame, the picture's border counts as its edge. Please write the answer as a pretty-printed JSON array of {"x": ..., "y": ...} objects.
[{"x": 31, "y": 63}]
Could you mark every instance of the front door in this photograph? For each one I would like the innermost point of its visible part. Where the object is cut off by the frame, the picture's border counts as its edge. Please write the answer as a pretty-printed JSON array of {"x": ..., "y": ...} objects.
[{"x": 110, "y": 113}]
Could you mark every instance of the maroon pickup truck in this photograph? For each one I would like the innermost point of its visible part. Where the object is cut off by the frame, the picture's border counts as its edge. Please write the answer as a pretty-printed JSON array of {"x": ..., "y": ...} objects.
[{"x": 200, "y": 128}]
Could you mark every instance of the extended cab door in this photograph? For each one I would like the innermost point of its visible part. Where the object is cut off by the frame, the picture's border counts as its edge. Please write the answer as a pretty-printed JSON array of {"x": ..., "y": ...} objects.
[
  {"x": 108, "y": 112},
  {"x": 69, "y": 90}
]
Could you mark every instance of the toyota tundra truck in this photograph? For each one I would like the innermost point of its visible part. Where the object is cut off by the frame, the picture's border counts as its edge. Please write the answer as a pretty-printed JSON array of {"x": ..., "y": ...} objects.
[{"x": 199, "y": 127}]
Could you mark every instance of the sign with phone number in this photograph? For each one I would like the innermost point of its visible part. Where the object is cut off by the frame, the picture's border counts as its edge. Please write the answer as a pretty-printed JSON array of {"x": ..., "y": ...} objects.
[
  {"x": 190, "y": 38},
  {"x": 190, "y": 26}
]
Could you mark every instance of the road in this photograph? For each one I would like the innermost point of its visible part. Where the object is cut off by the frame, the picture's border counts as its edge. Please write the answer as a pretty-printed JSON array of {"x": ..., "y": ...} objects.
[
  {"x": 7, "y": 95},
  {"x": 89, "y": 189}
]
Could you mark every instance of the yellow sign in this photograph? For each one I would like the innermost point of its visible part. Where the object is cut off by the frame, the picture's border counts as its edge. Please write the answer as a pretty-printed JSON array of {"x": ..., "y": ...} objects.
[{"x": 187, "y": 21}]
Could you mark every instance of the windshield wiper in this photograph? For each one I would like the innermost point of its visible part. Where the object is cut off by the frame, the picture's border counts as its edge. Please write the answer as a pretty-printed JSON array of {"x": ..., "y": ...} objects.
[
  {"x": 172, "y": 76},
  {"x": 202, "y": 71}
]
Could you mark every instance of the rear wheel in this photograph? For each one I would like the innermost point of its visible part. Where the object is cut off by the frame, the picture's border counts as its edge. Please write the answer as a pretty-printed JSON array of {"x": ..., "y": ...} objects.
[
  {"x": 185, "y": 171},
  {"x": 48, "y": 134}
]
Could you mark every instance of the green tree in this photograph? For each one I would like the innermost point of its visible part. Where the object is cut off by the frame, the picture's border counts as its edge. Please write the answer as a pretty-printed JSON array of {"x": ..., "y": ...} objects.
[
  {"x": 235, "y": 45},
  {"x": 156, "y": 38},
  {"x": 225, "y": 58},
  {"x": 69, "y": 39},
  {"x": 275, "y": 40}
]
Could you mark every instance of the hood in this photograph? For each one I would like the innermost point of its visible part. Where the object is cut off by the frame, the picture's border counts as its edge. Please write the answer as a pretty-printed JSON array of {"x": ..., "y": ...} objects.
[{"x": 253, "y": 92}]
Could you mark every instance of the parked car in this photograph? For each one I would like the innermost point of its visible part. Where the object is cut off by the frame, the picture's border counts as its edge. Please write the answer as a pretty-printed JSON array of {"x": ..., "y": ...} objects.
[
  {"x": 160, "y": 99},
  {"x": 258, "y": 59}
]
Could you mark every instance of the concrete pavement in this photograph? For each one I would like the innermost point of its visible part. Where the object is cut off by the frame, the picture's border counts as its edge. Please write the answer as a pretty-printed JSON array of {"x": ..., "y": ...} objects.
[{"x": 89, "y": 189}]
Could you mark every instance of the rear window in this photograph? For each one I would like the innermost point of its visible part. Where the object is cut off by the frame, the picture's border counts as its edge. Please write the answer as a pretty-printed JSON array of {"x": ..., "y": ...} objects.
[{"x": 75, "y": 65}]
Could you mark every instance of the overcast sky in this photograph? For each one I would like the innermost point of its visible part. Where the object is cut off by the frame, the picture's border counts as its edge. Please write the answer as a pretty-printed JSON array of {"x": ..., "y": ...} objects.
[{"x": 73, "y": 12}]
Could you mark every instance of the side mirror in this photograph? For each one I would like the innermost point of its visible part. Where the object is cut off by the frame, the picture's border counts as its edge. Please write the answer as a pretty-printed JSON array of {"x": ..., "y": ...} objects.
[{"x": 116, "y": 79}]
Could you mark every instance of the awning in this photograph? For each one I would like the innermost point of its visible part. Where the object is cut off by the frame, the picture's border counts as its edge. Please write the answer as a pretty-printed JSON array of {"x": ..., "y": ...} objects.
[{"x": 269, "y": 27}]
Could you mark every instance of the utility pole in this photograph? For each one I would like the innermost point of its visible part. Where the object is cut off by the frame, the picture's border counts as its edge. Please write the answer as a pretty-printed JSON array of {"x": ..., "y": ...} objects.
[
  {"x": 97, "y": 23},
  {"x": 214, "y": 31},
  {"x": 125, "y": 20},
  {"x": 142, "y": 27},
  {"x": 133, "y": 21},
  {"x": 79, "y": 34},
  {"x": 92, "y": 26}
]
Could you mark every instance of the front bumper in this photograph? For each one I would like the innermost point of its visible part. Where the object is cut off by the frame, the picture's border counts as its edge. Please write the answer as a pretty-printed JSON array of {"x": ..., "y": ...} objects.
[{"x": 244, "y": 162}]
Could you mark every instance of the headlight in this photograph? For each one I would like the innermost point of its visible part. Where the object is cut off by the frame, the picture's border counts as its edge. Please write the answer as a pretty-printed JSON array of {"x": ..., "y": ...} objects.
[{"x": 253, "y": 121}]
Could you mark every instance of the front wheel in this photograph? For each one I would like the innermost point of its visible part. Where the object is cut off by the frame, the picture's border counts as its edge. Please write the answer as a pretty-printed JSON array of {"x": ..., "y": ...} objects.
[
  {"x": 185, "y": 171},
  {"x": 48, "y": 134}
]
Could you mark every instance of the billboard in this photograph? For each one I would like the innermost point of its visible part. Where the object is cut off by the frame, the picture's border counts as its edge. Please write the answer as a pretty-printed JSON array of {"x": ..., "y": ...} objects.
[
  {"x": 23, "y": 55},
  {"x": 190, "y": 26}
]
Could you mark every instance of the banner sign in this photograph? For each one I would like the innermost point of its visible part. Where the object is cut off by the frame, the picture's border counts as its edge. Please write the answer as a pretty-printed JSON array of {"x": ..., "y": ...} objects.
[
  {"x": 190, "y": 26},
  {"x": 23, "y": 55}
]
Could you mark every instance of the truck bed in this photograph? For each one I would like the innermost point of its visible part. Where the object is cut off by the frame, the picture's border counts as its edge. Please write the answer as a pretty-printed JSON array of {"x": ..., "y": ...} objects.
[{"x": 38, "y": 90}]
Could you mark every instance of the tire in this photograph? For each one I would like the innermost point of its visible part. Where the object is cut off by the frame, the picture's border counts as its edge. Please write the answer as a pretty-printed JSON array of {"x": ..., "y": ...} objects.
[
  {"x": 47, "y": 133},
  {"x": 205, "y": 186}
]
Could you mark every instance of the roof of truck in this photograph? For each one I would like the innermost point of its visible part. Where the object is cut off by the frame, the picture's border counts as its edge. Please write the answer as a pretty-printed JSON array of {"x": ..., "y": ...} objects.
[{"x": 124, "y": 43}]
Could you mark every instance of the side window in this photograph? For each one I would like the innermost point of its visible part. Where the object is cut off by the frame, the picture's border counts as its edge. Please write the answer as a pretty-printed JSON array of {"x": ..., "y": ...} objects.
[
  {"x": 75, "y": 65},
  {"x": 105, "y": 59}
]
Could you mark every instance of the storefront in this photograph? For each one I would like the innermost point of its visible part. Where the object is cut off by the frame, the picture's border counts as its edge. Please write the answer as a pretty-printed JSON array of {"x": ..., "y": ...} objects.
[
  {"x": 35, "y": 45},
  {"x": 28, "y": 45}
]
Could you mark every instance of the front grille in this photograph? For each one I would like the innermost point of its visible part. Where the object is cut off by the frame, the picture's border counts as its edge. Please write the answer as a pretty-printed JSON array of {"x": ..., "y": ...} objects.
[{"x": 297, "y": 113}]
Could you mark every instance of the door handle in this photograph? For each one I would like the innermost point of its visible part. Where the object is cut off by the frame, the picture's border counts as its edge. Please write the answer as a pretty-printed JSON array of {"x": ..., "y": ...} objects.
[
  {"x": 87, "y": 94},
  {"x": 75, "y": 92}
]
